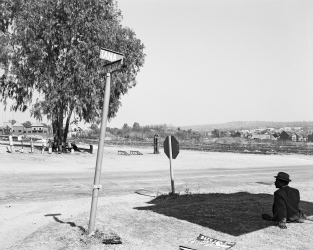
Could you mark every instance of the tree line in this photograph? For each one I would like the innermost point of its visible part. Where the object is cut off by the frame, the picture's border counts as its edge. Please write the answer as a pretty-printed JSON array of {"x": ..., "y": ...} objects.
[{"x": 149, "y": 131}]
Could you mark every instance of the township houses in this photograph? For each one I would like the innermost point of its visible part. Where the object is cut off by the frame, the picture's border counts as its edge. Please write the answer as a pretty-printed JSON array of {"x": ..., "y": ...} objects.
[
  {"x": 19, "y": 129},
  {"x": 285, "y": 135},
  {"x": 290, "y": 134},
  {"x": 299, "y": 137},
  {"x": 6, "y": 128},
  {"x": 263, "y": 136},
  {"x": 36, "y": 128}
]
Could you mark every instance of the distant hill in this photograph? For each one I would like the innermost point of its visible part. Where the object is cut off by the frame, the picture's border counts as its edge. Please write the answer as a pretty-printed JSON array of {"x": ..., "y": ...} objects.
[{"x": 240, "y": 125}]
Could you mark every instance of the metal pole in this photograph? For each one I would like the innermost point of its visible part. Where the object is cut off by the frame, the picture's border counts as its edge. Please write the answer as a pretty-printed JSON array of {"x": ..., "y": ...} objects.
[
  {"x": 171, "y": 169},
  {"x": 95, "y": 191}
]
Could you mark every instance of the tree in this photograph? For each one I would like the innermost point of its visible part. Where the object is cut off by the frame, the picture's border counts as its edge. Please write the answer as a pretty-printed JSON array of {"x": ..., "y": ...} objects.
[
  {"x": 9, "y": 10},
  {"x": 12, "y": 121},
  {"x": 222, "y": 133},
  {"x": 95, "y": 128},
  {"x": 55, "y": 49},
  {"x": 215, "y": 133},
  {"x": 125, "y": 126},
  {"x": 27, "y": 124},
  {"x": 136, "y": 126}
]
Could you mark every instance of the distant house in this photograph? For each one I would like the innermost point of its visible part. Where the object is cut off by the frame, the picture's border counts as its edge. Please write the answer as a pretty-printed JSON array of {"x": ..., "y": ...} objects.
[
  {"x": 7, "y": 128},
  {"x": 259, "y": 130},
  {"x": 17, "y": 128},
  {"x": 37, "y": 128},
  {"x": 237, "y": 134},
  {"x": 275, "y": 135},
  {"x": 299, "y": 137},
  {"x": 286, "y": 135},
  {"x": 287, "y": 129},
  {"x": 310, "y": 138},
  {"x": 262, "y": 136},
  {"x": 232, "y": 133},
  {"x": 271, "y": 129},
  {"x": 297, "y": 128},
  {"x": 74, "y": 130}
]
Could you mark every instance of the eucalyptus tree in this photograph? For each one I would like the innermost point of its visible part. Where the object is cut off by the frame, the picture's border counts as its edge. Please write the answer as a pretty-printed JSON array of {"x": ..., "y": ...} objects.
[{"x": 54, "y": 51}]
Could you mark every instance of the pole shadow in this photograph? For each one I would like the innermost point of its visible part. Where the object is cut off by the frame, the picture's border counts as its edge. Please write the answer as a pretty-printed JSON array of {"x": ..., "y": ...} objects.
[
  {"x": 234, "y": 213},
  {"x": 72, "y": 224}
]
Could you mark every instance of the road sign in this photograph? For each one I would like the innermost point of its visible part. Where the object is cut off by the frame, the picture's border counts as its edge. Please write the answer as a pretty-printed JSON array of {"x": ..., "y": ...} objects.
[
  {"x": 116, "y": 60},
  {"x": 175, "y": 147},
  {"x": 113, "y": 66},
  {"x": 110, "y": 55}
]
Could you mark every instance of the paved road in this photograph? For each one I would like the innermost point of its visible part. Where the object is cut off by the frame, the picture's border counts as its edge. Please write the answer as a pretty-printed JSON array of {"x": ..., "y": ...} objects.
[{"x": 63, "y": 185}]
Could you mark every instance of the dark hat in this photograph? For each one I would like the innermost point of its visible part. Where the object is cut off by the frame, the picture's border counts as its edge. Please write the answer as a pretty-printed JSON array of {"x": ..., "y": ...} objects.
[{"x": 283, "y": 176}]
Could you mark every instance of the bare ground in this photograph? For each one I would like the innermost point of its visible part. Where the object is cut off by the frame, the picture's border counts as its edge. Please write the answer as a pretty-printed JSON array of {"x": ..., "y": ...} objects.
[{"x": 45, "y": 200}]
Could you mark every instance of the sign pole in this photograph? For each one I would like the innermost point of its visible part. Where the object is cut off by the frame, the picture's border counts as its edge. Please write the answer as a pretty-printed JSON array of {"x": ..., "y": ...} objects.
[
  {"x": 97, "y": 186},
  {"x": 171, "y": 169},
  {"x": 11, "y": 144}
]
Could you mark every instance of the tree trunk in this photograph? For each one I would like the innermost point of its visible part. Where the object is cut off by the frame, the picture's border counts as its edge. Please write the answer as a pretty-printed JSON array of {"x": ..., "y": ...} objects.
[
  {"x": 60, "y": 124},
  {"x": 67, "y": 123},
  {"x": 55, "y": 128}
]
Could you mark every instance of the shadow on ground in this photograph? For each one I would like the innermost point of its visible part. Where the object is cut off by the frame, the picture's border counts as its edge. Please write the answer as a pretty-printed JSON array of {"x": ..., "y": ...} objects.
[
  {"x": 72, "y": 224},
  {"x": 234, "y": 214}
]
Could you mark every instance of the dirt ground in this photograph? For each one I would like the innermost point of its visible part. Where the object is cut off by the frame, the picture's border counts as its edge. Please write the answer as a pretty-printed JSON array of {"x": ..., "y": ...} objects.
[{"x": 45, "y": 199}]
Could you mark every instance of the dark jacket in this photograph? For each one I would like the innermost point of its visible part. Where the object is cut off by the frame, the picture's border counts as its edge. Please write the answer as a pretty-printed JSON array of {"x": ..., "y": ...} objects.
[{"x": 286, "y": 205}]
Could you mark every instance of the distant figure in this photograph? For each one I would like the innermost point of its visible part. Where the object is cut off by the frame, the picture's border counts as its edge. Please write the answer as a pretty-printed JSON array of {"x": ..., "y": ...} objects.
[
  {"x": 286, "y": 203},
  {"x": 156, "y": 144},
  {"x": 54, "y": 146},
  {"x": 44, "y": 145},
  {"x": 75, "y": 147}
]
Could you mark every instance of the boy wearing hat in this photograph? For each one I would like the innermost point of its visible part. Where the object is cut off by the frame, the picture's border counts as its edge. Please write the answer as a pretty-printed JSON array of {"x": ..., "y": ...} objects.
[{"x": 286, "y": 203}]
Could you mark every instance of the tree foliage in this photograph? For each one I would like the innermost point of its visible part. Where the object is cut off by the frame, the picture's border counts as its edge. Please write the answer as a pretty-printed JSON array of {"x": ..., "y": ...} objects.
[
  {"x": 136, "y": 126},
  {"x": 95, "y": 128},
  {"x": 27, "y": 124},
  {"x": 54, "y": 50},
  {"x": 215, "y": 133},
  {"x": 12, "y": 121}
]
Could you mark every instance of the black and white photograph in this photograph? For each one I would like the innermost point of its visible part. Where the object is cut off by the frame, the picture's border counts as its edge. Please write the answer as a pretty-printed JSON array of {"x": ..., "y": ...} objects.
[{"x": 156, "y": 125}]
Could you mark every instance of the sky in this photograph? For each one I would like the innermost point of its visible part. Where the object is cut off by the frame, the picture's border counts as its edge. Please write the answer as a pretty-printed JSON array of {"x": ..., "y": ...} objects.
[{"x": 215, "y": 61}]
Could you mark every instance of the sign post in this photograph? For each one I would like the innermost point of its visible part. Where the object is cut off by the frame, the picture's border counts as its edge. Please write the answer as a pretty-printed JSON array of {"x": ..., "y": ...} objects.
[
  {"x": 19, "y": 138},
  {"x": 116, "y": 60},
  {"x": 31, "y": 146},
  {"x": 171, "y": 169},
  {"x": 171, "y": 149},
  {"x": 11, "y": 144}
]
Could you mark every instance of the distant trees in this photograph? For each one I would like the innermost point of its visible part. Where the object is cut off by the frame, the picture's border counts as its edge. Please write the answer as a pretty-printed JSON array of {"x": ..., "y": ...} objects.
[
  {"x": 95, "y": 128},
  {"x": 27, "y": 124},
  {"x": 136, "y": 126},
  {"x": 215, "y": 133},
  {"x": 12, "y": 121},
  {"x": 125, "y": 126}
]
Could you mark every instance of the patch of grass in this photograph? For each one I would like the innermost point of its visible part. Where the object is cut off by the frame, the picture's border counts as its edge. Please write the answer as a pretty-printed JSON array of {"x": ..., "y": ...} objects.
[{"x": 234, "y": 214}]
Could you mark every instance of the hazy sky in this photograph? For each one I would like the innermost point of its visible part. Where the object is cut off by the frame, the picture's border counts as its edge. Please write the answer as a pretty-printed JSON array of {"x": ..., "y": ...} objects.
[{"x": 213, "y": 61}]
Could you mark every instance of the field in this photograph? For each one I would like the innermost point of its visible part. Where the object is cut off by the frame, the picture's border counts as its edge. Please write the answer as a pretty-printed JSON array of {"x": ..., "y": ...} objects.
[
  {"x": 224, "y": 144},
  {"x": 45, "y": 199}
]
